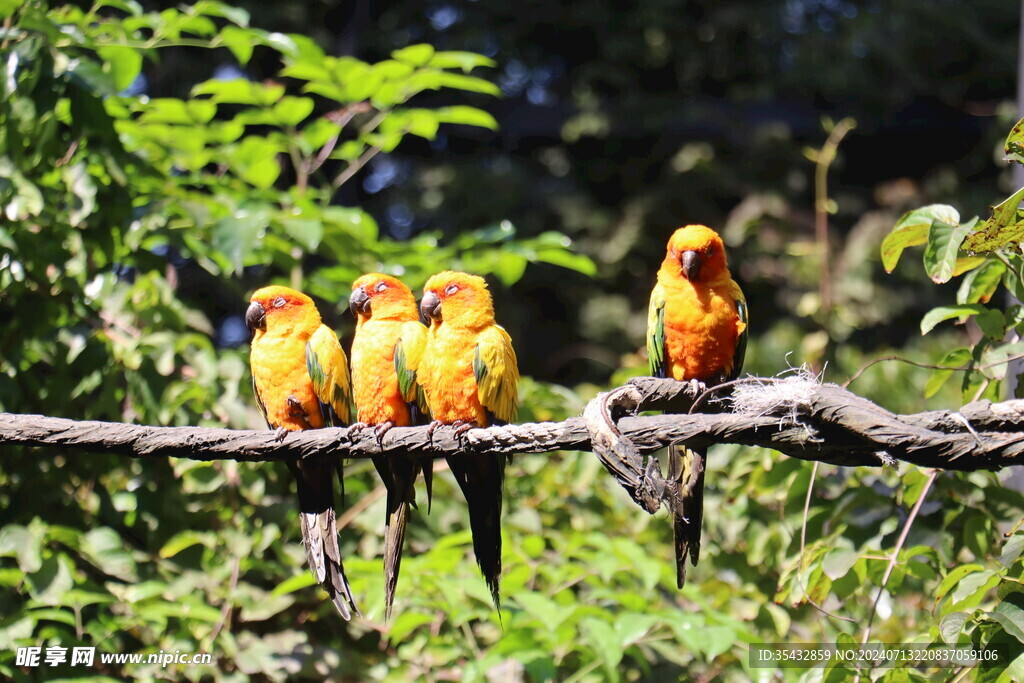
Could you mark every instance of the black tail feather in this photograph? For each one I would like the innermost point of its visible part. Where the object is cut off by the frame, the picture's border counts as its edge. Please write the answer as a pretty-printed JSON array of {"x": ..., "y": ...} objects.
[
  {"x": 686, "y": 469},
  {"x": 320, "y": 532},
  {"x": 399, "y": 476},
  {"x": 481, "y": 479}
]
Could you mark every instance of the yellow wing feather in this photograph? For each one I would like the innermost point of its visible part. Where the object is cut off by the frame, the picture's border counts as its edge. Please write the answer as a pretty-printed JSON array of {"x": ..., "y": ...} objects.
[
  {"x": 497, "y": 373},
  {"x": 328, "y": 370}
]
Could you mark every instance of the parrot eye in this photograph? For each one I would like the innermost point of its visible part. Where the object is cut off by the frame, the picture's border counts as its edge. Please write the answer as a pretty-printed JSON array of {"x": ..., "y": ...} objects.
[
  {"x": 451, "y": 289},
  {"x": 381, "y": 286},
  {"x": 279, "y": 302},
  {"x": 711, "y": 251}
]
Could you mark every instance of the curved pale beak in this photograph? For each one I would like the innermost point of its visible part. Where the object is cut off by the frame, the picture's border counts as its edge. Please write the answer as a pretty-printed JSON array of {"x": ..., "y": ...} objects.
[
  {"x": 690, "y": 262},
  {"x": 359, "y": 302},
  {"x": 430, "y": 307},
  {"x": 255, "y": 317}
]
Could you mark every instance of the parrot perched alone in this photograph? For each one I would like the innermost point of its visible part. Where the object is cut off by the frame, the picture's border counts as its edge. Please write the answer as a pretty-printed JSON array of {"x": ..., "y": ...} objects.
[
  {"x": 470, "y": 377},
  {"x": 301, "y": 381},
  {"x": 697, "y": 332},
  {"x": 386, "y": 352}
]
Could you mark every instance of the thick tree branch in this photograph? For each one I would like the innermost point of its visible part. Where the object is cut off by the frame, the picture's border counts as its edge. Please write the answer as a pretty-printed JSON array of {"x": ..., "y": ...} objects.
[
  {"x": 830, "y": 425},
  {"x": 796, "y": 416}
]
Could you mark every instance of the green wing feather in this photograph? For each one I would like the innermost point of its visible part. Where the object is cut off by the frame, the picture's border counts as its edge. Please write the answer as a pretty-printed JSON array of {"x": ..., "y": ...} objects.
[
  {"x": 741, "y": 340},
  {"x": 497, "y": 373},
  {"x": 656, "y": 333},
  {"x": 408, "y": 353},
  {"x": 328, "y": 370},
  {"x": 259, "y": 403}
]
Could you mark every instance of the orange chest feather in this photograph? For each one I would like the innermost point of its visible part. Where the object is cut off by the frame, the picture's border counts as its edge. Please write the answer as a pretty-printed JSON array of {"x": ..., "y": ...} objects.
[
  {"x": 701, "y": 330},
  {"x": 374, "y": 378},
  {"x": 446, "y": 373},
  {"x": 278, "y": 366}
]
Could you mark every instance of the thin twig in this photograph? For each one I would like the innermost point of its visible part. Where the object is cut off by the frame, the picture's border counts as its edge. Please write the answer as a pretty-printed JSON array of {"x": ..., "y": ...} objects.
[
  {"x": 225, "y": 609},
  {"x": 930, "y": 366},
  {"x": 803, "y": 540},
  {"x": 896, "y": 551}
]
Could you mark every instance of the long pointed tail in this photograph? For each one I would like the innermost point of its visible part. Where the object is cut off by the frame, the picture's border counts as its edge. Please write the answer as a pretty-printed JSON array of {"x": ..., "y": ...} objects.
[
  {"x": 399, "y": 476},
  {"x": 686, "y": 468},
  {"x": 320, "y": 533},
  {"x": 481, "y": 479}
]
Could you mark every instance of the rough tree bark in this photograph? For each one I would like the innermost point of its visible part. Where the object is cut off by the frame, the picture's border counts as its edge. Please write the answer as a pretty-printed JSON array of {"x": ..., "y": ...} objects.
[{"x": 826, "y": 423}]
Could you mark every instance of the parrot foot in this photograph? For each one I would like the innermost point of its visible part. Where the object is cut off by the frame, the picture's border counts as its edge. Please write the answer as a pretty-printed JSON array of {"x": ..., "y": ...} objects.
[
  {"x": 463, "y": 426},
  {"x": 698, "y": 387},
  {"x": 431, "y": 428},
  {"x": 279, "y": 434},
  {"x": 355, "y": 428},
  {"x": 380, "y": 430}
]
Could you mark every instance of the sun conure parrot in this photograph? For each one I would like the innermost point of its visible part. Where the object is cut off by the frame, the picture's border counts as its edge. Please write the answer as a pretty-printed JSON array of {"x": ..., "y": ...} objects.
[
  {"x": 697, "y": 332},
  {"x": 386, "y": 352},
  {"x": 301, "y": 381},
  {"x": 470, "y": 376}
]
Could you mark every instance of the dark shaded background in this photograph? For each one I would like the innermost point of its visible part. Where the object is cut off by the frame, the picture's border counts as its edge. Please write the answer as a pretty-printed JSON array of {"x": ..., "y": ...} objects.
[{"x": 623, "y": 120}]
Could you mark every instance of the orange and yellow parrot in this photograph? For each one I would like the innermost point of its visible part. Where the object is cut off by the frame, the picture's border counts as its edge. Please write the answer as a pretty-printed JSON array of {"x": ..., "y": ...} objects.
[
  {"x": 470, "y": 377},
  {"x": 386, "y": 353},
  {"x": 301, "y": 381},
  {"x": 696, "y": 332}
]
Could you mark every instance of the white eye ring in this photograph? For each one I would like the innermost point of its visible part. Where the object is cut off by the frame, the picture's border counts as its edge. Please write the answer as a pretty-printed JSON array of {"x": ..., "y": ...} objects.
[
  {"x": 381, "y": 286},
  {"x": 451, "y": 289},
  {"x": 279, "y": 302}
]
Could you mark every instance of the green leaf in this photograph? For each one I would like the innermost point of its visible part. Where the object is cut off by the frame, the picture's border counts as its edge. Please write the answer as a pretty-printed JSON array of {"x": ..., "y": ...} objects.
[
  {"x": 981, "y": 283},
  {"x": 416, "y": 55},
  {"x": 1010, "y": 614},
  {"x": 955, "y": 358},
  {"x": 940, "y": 313},
  {"x": 467, "y": 116},
  {"x": 567, "y": 259},
  {"x": 910, "y": 231},
  {"x": 1003, "y": 229},
  {"x": 294, "y": 583},
  {"x": 307, "y": 232},
  {"x": 105, "y": 549},
  {"x": 1015, "y": 143},
  {"x": 291, "y": 111},
  {"x": 235, "y": 15},
  {"x": 996, "y": 359},
  {"x": 951, "y": 626},
  {"x": 239, "y": 41},
  {"x": 953, "y": 578},
  {"x": 255, "y": 160},
  {"x": 237, "y": 235},
  {"x": 452, "y": 59},
  {"x": 52, "y": 580},
  {"x": 838, "y": 562},
  {"x": 1012, "y": 550},
  {"x": 23, "y": 543},
  {"x": 7, "y": 7},
  {"x": 181, "y": 540},
  {"x": 406, "y": 623},
  {"x": 940, "y": 252},
  {"x": 468, "y": 83},
  {"x": 605, "y": 642},
  {"x": 239, "y": 91},
  {"x": 992, "y": 323},
  {"x": 123, "y": 64}
]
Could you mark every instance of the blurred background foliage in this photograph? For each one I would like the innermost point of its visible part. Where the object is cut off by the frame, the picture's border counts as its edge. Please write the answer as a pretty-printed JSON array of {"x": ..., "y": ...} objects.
[{"x": 158, "y": 162}]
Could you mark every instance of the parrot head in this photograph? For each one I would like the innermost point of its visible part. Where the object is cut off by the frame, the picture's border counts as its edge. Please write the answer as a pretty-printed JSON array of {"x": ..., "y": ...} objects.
[
  {"x": 280, "y": 307},
  {"x": 381, "y": 296},
  {"x": 459, "y": 298},
  {"x": 695, "y": 253}
]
